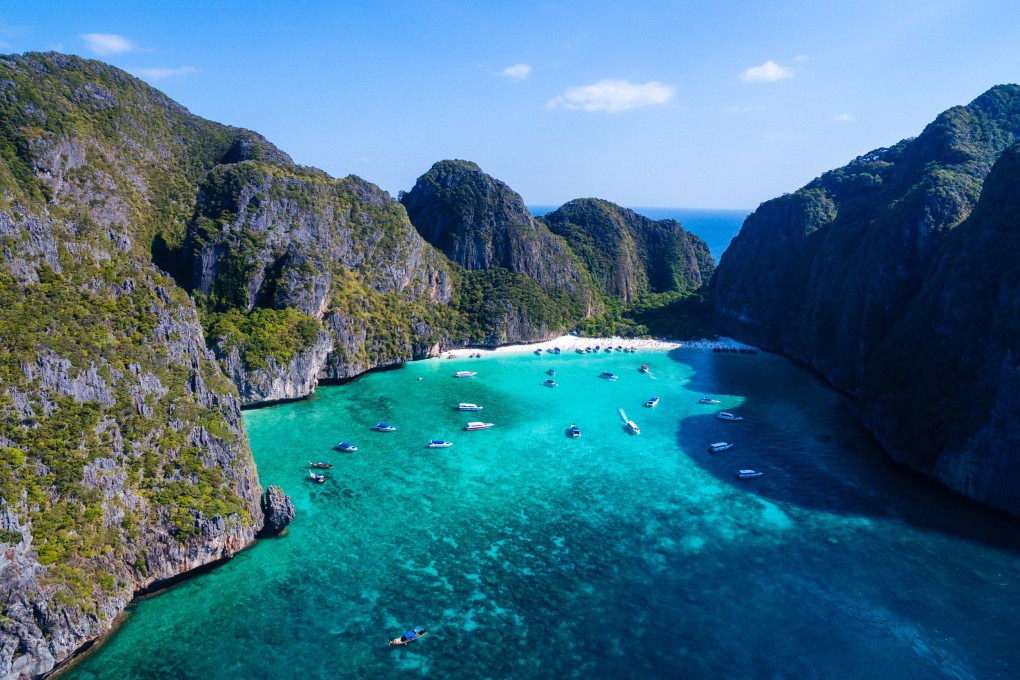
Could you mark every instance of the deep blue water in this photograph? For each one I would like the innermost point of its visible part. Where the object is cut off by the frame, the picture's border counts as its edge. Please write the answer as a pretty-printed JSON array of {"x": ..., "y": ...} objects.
[
  {"x": 529, "y": 554},
  {"x": 716, "y": 227}
]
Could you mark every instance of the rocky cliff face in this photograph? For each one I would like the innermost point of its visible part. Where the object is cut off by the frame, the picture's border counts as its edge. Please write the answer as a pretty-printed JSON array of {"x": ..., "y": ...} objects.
[
  {"x": 629, "y": 254},
  {"x": 832, "y": 275}
]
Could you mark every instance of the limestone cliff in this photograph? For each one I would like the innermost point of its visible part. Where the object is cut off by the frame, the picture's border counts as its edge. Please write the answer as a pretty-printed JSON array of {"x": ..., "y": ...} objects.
[{"x": 834, "y": 274}]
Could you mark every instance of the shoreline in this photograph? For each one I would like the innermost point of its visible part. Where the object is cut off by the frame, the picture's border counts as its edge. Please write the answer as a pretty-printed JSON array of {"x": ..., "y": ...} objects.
[{"x": 570, "y": 343}]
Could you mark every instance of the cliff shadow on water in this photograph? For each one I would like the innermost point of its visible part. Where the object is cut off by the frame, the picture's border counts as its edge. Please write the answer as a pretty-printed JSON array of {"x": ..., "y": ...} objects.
[{"x": 814, "y": 452}]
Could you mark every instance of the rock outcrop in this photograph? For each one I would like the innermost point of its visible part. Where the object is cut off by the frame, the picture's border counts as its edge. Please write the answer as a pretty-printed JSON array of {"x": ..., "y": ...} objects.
[
  {"x": 278, "y": 510},
  {"x": 842, "y": 274}
]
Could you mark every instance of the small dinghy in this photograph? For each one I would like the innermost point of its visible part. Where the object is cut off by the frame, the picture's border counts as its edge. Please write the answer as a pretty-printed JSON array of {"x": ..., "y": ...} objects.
[{"x": 318, "y": 479}]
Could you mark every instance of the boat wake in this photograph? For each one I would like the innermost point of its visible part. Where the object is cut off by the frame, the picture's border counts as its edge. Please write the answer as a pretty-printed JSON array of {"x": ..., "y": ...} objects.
[{"x": 623, "y": 415}]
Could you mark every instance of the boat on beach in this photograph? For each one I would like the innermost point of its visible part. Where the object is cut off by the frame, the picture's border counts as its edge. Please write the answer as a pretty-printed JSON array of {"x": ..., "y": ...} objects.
[
  {"x": 469, "y": 407},
  {"x": 318, "y": 479},
  {"x": 383, "y": 427},
  {"x": 322, "y": 465},
  {"x": 747, "y": 474},
  {"x": 410, "y": 636},
  {"x": 719, "y": 446},
  {"x": 465, "y": 374},
  {"x": 726, "y": 415},
  {"x": 345, "y": 447},
  {"x": 438, "y": 444},
  {"x": 477, "y": 426}
]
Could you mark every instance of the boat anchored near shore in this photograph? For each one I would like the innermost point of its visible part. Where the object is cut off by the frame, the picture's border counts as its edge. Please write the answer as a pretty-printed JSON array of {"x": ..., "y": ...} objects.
[{"x": 478, "y": 426}]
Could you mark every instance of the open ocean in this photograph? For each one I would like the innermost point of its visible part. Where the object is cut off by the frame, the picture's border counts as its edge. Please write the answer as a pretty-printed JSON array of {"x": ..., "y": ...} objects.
[
  {"x": 527, "y": 554},
  {"x": 716, "y": 227}
]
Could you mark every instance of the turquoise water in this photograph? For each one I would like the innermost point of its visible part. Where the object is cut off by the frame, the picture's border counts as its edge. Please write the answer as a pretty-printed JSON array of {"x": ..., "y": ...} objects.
[
  {"x": 716, "y": 227},
  {"x": 528, "y": 554}
]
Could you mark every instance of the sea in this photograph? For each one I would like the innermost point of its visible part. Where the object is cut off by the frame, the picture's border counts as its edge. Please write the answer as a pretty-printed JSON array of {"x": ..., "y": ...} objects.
[
  {"x": 715, "y": 227},
  {"x": 526, "y": 553}
]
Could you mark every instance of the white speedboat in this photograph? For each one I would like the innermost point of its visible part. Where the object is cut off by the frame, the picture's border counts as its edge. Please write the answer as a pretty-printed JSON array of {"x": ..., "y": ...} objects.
[
  {"x": 478, "y": 426},
  {"x": 726, "y": 415},
  {"x": 632, "y": 426},
  {"x": 747, "y": 474},
  {"x": 652, "y": 403},
  {"x": 575, "y": 431},
  {"x": 708, "y": 400},
  {"x": 465, "y": 374},
  {"x": 383, "y": 427},
  {"x": 439, "y": 444},
  {"x": 549, "y": 382},
  {"x": 719, "y": 446},
  {"x": 469, "y": 407},
  {"x": 346, "y": 447},
  {"x": 608, "y": 376}
]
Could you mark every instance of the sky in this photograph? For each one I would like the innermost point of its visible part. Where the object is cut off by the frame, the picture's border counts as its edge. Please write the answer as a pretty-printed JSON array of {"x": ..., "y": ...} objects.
[{"x": 715, "y": 104}]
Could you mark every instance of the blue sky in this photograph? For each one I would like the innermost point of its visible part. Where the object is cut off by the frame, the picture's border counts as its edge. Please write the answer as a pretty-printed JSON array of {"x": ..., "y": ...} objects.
[{"x": 683, "y": 104}]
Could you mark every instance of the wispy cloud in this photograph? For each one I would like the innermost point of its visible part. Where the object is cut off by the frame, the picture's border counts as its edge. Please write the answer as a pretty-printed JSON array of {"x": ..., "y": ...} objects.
[
  {"x": 768, "y": 72},
  {"x": 745, "y": 109},
  {"x": 843, "y": 118},
  {"x": 516, "y": 72},
  {"x": 157, "y": 73},
  {"x": 613, "y": 95},
  {"x": 106, "y": 44}
]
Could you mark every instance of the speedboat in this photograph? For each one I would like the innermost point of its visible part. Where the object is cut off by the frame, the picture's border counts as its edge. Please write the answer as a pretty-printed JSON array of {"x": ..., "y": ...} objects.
[
  {"x": 632, "y": 426},
  {"x": 556, "y": 350},
  {"x": 652, "y": 403},
  {"x": 409, "y": 636},
  {"x": 318, "y": 479},
  {"x": 321, "y": 465},
  {"x": 726, "y": 415},
  {"x": 644, "y": 368},
  {"x": 549, "y": 382},
  {"x": 478, "y": 426},
  {"x": 607, "y": 375},
  {"x": 579, "y": 350},
  {"x": 465, "y": 374},
  {"x": 708, "y": 400},
  {"x": 345, "y": 447},
  {"x": 468, "y": 407},
  {"x": 551, "y": 371},
  {"x": 598, "y": 347},
  {"x": 719, "y": 446},
  {"x": 587, "y": 349},
  {"x": 383, "y": 427},
  {"x": 438, "y": 444},
  {"x": 747, "y": 474},
  {"x": 608, "y": 349},
  {"x": 538, "y": 351},
  {"x": 575, "y": 431}
]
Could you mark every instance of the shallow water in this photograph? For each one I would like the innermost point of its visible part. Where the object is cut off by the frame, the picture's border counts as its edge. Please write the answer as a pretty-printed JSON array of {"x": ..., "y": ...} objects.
[{"x": 528, "y": 554}]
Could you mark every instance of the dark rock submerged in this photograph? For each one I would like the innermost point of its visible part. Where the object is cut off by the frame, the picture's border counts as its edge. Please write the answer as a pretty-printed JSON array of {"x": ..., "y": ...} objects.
[{"x": 891, "y": 277}]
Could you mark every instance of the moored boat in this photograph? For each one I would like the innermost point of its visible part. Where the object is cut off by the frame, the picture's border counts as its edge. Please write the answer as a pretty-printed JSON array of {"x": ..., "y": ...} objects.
[
  {"x": 465, "y": 374},
  {"x": 652, "y": 403},
  {"x": 719, "y": 446},
  {"x": 575, "y": 431},
  {"x": 322, "y": 465},
  {"x": 644, "y": 368},
  {"x": 383, "y": 427},
  {"x": 549, "y": 382},
  {"x": 409, "y": 636},
  {"x": 318, "y": 479},
  {"x": 345, "y": 447},
  {"x": 747, "y": 474},
  {"x": 478, "y": 426},
  {"x": 607, "y": 375},
  {"x": 438, "y": 444},
  {"x": 632, "y": 426},
  {"x": 726, "y": 415},
  {"x": 551, "y": 371},
  {"x": 469, "y": 407},
  {"x": 708, "y": 400}
]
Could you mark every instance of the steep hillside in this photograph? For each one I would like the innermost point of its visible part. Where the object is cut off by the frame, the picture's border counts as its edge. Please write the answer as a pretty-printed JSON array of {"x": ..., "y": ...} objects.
[
  {"x": 834, "y": 275},
  {"x": 628, "y": 254}
]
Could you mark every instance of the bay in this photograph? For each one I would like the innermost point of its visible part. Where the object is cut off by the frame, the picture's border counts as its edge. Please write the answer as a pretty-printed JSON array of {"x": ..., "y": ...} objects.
[{"x": 529, "y": 554}]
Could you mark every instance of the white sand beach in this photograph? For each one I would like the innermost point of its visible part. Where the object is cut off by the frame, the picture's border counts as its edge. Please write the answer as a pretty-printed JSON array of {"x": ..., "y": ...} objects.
[{"x": 570, "y": 343}]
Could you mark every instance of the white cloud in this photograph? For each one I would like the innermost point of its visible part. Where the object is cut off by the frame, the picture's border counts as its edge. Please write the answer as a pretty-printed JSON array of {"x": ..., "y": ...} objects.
[
  {"x": 614, "y": 95},
  {"x": 843, "y": 118},
  {"x": 517, "y": 71},
  {"x": 157, "y": 73},
  {"x": 106, "y": 44},
  {"x": 745, "y": 109},
  {"x": 768, "y": 72}
]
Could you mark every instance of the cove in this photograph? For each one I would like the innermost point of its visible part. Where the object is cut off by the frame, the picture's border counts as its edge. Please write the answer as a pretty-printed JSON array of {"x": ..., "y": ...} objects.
[{"x": 528, "y": 554}]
